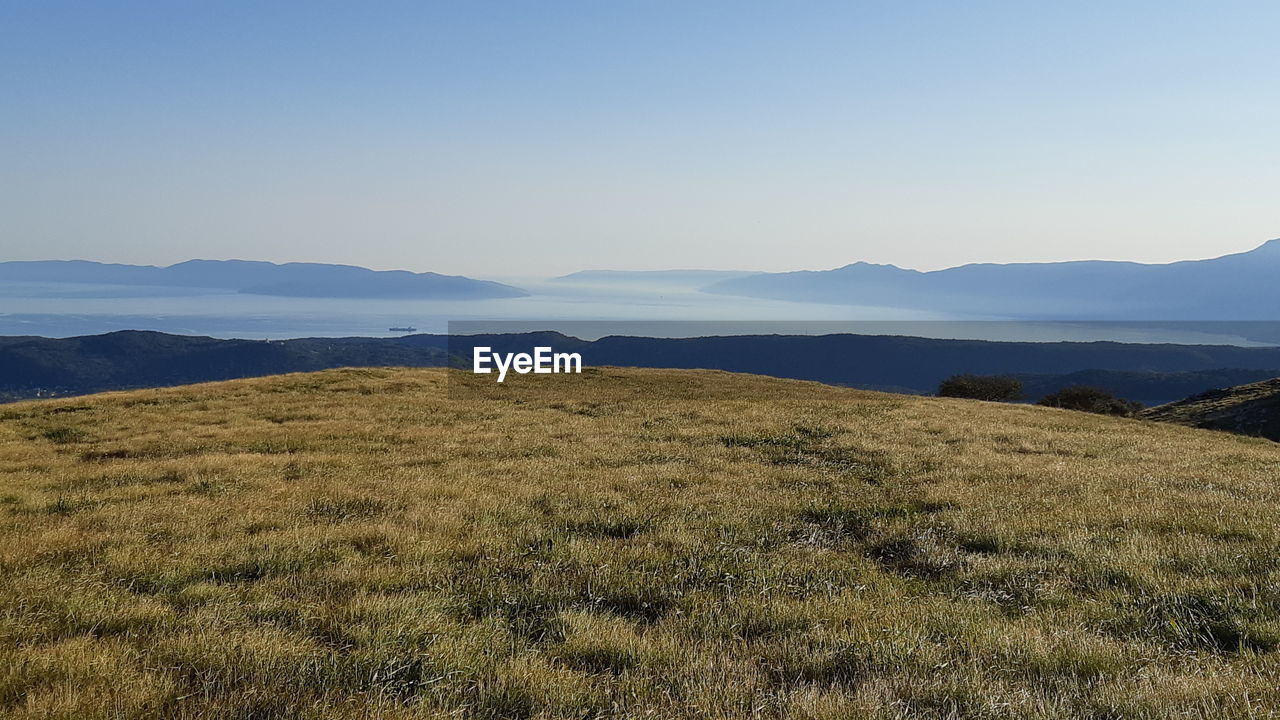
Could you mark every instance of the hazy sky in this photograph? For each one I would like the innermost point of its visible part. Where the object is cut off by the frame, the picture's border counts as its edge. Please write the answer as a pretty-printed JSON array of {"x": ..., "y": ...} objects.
[{"x": 516, "y": 138}]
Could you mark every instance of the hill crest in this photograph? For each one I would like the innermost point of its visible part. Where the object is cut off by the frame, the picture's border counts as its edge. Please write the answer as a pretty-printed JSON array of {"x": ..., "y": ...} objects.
[{"x": 356, "y": 542}]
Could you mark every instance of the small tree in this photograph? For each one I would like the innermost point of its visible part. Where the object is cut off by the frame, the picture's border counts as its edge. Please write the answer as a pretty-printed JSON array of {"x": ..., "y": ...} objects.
[
  {"x": 1091, "y": 399},
  {"x": 992, "y": 388}
]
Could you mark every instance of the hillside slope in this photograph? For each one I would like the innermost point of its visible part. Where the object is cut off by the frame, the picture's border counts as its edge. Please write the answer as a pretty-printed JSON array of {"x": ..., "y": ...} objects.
[
  {"x": 1252, "y": 409},
  {"x": 626, "y": 543}
]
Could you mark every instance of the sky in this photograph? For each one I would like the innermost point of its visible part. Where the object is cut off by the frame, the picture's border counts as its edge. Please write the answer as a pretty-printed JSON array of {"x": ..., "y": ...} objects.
[{"x": 500, "y": 139}]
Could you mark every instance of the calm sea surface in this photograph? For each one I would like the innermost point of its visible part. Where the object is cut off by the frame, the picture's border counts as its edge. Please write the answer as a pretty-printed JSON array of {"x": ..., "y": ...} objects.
[{"x": 64, "y": 310}]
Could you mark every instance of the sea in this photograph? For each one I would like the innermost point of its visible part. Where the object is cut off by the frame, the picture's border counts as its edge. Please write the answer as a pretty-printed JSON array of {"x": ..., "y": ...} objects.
[{"x": 583, "y": 310}]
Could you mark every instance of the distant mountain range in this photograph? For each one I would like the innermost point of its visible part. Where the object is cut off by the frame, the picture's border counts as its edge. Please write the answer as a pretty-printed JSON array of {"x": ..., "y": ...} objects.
[
  {"x": 314, "y": 280},
  {"x": 1243, "y": 286},
  {"x": 1152, "y": 374},
  {"x": 1238, "y": 287}
]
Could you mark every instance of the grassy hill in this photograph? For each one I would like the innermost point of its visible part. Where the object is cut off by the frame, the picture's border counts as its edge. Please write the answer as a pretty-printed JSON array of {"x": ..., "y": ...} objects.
[
  {"x": 626, "y": 543},
  {"x": 1252, "y": 409}
]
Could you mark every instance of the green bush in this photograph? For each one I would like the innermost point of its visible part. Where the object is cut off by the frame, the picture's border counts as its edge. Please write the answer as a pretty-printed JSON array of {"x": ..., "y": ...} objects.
[
  {"x": 993, "y": 388},
  {"x": 1091, "y": 399}
]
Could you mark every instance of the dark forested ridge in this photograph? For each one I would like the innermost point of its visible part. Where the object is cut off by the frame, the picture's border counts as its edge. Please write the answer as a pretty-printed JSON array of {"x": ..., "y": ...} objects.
[
  {"x": 35, "y": 366},
  {"x": 1148, "y": 388},
  {"x": 1152, "y": 374}
]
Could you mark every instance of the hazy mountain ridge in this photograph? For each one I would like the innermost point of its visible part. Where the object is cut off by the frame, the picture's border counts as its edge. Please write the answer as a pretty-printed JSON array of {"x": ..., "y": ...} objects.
[
  {"x": 1239, "y": 286},
  {"x": 263, "y": 278}
]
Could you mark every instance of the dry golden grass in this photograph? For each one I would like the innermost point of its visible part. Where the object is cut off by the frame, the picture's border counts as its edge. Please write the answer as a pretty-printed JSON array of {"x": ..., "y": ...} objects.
[{"x": 626, "y": 543}]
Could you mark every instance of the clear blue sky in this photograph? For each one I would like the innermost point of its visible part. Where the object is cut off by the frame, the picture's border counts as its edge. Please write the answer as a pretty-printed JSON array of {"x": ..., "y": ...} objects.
[{"x": 506, "y": 138}]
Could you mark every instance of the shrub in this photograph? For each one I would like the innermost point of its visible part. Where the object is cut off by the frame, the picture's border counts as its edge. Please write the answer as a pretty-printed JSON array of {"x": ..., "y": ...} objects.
[
  {"x": 993, "y": 388},
  {"x": 1091, "y": 399}
]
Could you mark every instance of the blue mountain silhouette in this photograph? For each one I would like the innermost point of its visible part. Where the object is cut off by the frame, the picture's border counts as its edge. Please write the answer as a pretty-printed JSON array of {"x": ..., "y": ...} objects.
[{"x": 1242, "y": 286}]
